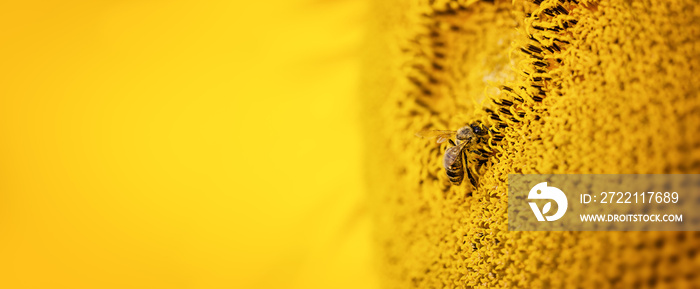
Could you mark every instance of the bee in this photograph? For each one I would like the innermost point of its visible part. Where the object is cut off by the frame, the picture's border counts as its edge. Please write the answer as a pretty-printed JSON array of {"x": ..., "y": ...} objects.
[{"x": 455, "y": 159}]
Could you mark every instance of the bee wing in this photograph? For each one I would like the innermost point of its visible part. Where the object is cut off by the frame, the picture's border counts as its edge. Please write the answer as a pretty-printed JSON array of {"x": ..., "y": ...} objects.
[
  {"x": 452, "y": 155},
  {"x": 440, "y": 136}
]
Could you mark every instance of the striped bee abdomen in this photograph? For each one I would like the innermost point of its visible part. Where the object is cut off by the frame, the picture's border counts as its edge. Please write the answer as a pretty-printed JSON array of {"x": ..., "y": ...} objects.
[{"x": 454, "y": 167}]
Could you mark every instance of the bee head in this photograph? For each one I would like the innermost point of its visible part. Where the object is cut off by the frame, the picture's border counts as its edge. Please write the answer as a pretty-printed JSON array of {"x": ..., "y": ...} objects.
[{"x": 478, "y": 129}]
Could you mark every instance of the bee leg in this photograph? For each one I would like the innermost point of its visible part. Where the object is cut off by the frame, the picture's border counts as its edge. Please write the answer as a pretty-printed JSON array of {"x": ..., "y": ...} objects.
[
  {"x": 482, "y": 156},
  {"x": 452, "y": 143},
  {"x": 469, "y": 172},
  {"x": 471, "y": 177}
]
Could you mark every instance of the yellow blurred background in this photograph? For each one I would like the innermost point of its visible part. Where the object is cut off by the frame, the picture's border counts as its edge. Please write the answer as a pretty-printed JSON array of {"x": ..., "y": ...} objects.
[{"x": 182, "y": 144}]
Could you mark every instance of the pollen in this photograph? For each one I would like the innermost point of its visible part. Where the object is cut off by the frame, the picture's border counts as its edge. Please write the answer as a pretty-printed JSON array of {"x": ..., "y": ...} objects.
[{"x": 566, "y": 87}]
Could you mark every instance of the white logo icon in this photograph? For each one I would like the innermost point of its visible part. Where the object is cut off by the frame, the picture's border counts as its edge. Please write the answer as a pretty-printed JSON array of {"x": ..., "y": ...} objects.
[{"x": 542, "y": 192}]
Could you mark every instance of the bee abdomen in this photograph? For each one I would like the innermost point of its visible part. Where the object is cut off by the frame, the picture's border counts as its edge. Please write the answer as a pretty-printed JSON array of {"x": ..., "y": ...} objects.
[
  {"x": 455, "y": 177},
  {"x": 455, "y": 173}
]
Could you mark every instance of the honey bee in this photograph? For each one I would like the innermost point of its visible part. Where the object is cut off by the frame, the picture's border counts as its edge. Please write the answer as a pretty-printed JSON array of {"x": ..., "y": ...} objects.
[{"x": 455, "y": 159}]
